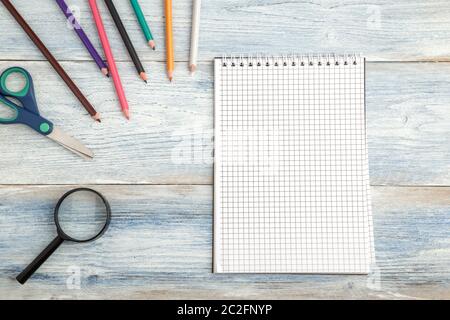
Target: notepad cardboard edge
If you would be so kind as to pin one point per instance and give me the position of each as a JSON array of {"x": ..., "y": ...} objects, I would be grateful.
[{"x": 217, "y": 267}]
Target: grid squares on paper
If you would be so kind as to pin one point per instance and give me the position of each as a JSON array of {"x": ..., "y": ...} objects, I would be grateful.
[{"x": 291, "y": 170}]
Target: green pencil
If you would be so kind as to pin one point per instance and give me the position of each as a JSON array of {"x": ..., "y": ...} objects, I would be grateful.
[{"x": 143, "y": 23}]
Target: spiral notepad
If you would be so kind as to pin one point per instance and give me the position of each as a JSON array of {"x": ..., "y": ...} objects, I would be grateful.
[{"x": 291, "y": 166}]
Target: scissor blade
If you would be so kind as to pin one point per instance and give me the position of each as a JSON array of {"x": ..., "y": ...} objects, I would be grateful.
[{"x": 70, "y": 143}]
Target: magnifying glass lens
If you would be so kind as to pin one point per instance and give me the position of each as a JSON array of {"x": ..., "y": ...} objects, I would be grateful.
[{"x": 82, "y": 215}]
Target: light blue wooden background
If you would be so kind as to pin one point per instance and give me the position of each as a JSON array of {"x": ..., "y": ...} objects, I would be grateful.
[{"x": 157, "y": 169}]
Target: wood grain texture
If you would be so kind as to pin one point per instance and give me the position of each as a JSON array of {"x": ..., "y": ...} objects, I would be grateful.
[
  {"x": 169, "y": 140},
  {"x": 400, "y": 30},
  {"x": 160, "y": 242}
]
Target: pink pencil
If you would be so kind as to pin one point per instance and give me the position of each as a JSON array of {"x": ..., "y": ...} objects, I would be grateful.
[{"x": 110, "y": 58}]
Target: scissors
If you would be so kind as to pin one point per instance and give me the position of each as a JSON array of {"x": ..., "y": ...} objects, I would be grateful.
[{"x": 28, "y": 114}]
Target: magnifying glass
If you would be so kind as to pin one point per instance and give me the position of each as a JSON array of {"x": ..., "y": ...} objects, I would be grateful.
[{"x": 81, "y": 215}]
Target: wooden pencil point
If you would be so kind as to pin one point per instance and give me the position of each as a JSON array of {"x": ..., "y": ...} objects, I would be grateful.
[
  {"x": 83, "y": 36},
  {"x": 96, "y": 117},
  {"x": 105, "y": 72},
  {"x": 143, "y": 22},
  {"x": 126, "y": 39},
  {"x": 193, "y": 68},
  {"x": 126, "y": 114},
  {"x": 143, "y": 76}
]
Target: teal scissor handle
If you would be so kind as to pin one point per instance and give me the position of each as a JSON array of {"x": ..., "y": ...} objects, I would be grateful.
[{"x": 28, "y": 113}]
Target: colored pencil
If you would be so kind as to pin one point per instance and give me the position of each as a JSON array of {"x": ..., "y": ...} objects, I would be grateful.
[
  {"x": 195, "y": 34},
  {"x": 110, "y": 58},
  {"x": 55, "y": 64},
  {"x": 169, "y": 39},
  {"x": 126, "y": 39},
  {"x": 144, "y": 25},
  {"x": 83, "y": 36}
]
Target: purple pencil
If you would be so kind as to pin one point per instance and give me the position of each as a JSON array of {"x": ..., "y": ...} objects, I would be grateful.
[{"x": 83, "y": 36}]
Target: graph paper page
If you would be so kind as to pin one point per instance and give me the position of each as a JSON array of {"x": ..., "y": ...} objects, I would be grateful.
[{"x": 291, "y": 166}]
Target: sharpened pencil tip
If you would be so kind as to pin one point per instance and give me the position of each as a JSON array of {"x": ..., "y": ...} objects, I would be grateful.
[
  {"x": 126, "y": 113},
  {"x": 143, "y": 76},
  {"x": 152, "y": 45},
  {"x": 105, "y": 72},
  {"x": 192, "y": 68},
  {"x": 96, "y": 117},
  {"x": 170, "y": 75}
]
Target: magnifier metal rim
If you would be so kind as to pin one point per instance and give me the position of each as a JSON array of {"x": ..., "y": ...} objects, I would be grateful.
[{"x": 60, "y": 230}]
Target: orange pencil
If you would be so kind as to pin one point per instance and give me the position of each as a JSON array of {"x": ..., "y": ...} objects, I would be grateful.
[{"x": 169, "y": 39}]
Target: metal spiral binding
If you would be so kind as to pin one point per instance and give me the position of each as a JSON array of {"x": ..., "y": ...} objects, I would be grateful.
[{"x": 291, "y": 60}]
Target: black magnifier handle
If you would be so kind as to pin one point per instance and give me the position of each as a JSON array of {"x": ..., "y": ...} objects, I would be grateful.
[{"x": 40, "y": 259}]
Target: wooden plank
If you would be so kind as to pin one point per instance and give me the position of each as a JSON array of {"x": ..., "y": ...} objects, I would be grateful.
[
  {"x": 160, "y": 245},
  {"x": 400, "y": 30},
  {"x": 154, "y": 146},
  {"x": 407, "y": 122},
  {"x": 169, "y": 140}
]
